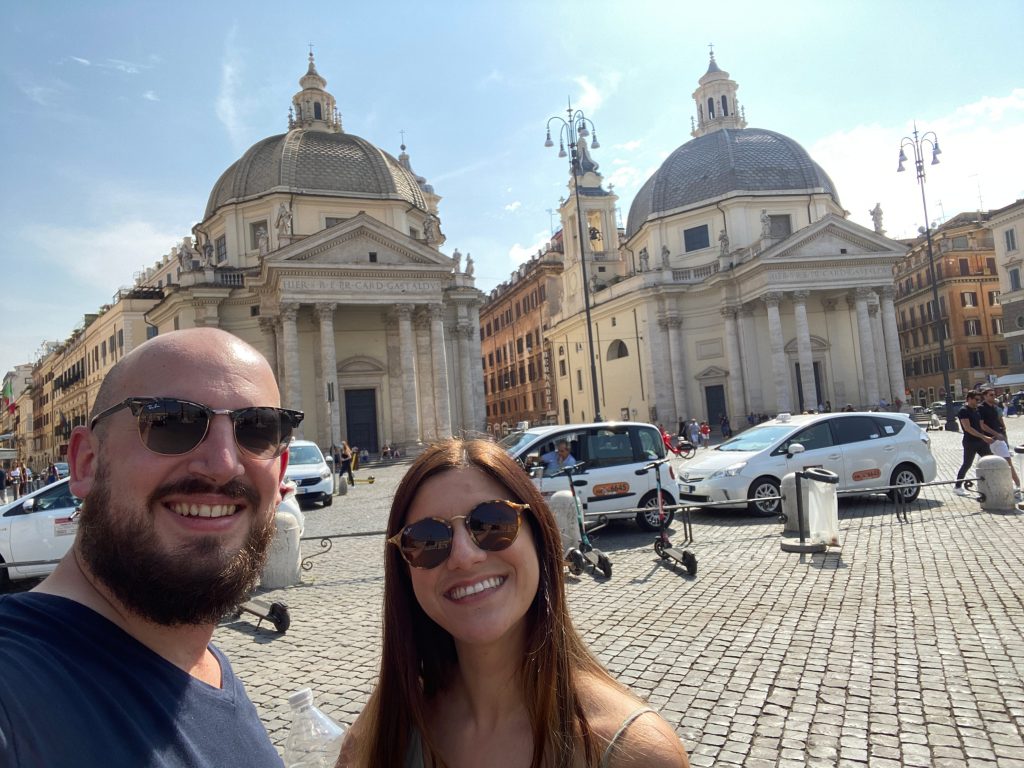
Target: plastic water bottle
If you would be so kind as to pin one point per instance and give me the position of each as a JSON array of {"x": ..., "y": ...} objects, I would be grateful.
[{"x": 314, "y": 740}]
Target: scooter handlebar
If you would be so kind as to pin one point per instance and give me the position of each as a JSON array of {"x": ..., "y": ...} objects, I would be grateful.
[
  {"x": 652, "y": 465},
  {"x": 570, "y": 470}
]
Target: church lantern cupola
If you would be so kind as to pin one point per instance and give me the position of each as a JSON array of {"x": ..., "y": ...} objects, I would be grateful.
[
  {"x": 716, "y": 102},
  {"x": 313, "y": 108}
]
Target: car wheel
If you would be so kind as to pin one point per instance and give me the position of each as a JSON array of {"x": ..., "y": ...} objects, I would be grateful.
[
  {"x": 762, "y": 488},
  {"x": 328, "y": 500},
  {"x": 648, "y": 518},
  {"x": 909, "y": 475}
]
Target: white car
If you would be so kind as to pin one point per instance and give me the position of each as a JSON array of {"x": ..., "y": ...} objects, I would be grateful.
[
  {"x": 611, "y": 453},
  {"x": 866, "y": 450},
  {"x": 313, "y": 478},
  {"x": 39, "y": 528}
]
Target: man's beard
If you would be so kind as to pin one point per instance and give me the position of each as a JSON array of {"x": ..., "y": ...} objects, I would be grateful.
[{"x": 193, "y": 584}]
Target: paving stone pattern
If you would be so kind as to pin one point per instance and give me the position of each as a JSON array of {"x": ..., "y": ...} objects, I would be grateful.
[{"x": 904, "y": 647}]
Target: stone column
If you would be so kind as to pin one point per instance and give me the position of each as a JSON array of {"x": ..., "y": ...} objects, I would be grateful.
[
  {"x": 678, "y": 363},
  {"x": 878, "y": 342},
  {"x": 464, "y": 332},
  {"x": 749, "y": 358},
  {"x": 407, "y": 349},
  {"x": 893, "y": 357},
  {"x": 290, "y": 343},
  {"x": 803, "y": 350},
  {"x": 268, "y": 330},
  {"x": 737, "y": 409},
  {"x": 329, "y": 364},
  {"x": 867, "y": 347},
  {"x": 439, "y": 365},
  {"x": 662, "y": 386},
  {"x": 780, "y": 371},
  {"x": 424, "y": 363}
]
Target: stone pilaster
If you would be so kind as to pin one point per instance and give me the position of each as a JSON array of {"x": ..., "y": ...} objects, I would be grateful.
[
  {"x": 439, "y": 360},
  {"x": 867, "y": 347},
  {"x": 678, "y": 364},
  {"x": 749, "y": 359},
  {"x": 803, "y": 350},
  {"x": 780, "y": 370},
  {"x": 424, "y": 380},
  {"x": 329, "y": 364},
  {"x": 732, "y": 355},
  {"x": 407, "y": 349},
  {"x": 893, "y": 357},
  {"x": 268, "y": 334},
  {"x": 878, "y": 341},
  {"x": 463, "y": 333},
  {"x": 290, "y": 344}
]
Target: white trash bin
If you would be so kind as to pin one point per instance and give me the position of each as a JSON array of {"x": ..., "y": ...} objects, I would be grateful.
[
  {"x": 283, "y": 567},
  {"x": 820, "y": 507}
]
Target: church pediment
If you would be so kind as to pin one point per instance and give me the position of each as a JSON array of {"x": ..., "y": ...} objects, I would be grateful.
[
  {"x": 712, "y": 372},
  {"x": 830, "y": 238},
  {"x": 360, "y": 241}
]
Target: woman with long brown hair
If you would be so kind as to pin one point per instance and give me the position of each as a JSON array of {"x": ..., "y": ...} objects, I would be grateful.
[{"x": 481, "y": 664}]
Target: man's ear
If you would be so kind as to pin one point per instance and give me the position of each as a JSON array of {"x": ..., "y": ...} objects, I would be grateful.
[{"x": 83, "y": 454}]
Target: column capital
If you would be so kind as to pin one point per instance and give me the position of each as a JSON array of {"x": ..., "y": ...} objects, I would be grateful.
[
  {"x": 772, "y": 298},
  {"x": 325, "y": 310},
  {"x": 729, "y": 312},
  {"x": 435, "y": 311},
  {"x": 864, "y": 292},
  {"x": 887, "y": 292},
  {"x": 674, "y": 321},
  {"x": 268, "y": 324},
  {"x": 289, "y": 312},
  {"x": 403, "y": 311},
  {"x": 801, "y": 296},
  {"x": 663, "y": 323}
]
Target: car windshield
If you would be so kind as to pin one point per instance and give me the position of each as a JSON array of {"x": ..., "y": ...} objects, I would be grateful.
[
  {"x": 304, "y": 454},
  {"x": 514, "y": 441},
  {"x": 756, "y": 439}
]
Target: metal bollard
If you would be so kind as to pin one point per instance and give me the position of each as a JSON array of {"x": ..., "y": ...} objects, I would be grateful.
[{"x": 995, "y": 483}]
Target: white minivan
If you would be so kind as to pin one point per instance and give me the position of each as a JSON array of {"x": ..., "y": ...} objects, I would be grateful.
[
  {"x": 611, "y": 452},
  {"x": 313, "y": 477}
]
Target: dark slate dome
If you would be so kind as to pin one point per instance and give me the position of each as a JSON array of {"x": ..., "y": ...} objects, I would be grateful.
[
  {"x": 315, "y": 163},
  {"x": 728, "y": 161}
]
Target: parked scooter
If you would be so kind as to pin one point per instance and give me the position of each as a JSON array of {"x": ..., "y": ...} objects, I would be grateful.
[
  {"x": 663, "y": 544},
  {"x": 584, "y": 555}
]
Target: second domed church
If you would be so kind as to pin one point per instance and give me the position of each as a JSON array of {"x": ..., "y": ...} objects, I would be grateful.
[{"x": 740, "y": 286}]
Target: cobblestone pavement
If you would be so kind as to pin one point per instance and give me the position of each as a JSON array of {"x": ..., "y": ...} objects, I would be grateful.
[{"x": 904, "y": 647}]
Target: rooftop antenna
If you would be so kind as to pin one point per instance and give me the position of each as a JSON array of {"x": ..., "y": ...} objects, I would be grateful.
[{"x": 551, "y": 219}]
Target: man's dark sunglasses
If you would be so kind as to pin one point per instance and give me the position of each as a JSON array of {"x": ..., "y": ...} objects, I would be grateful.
[
  {"x": 172, "y": 427},
  {"x": 493, "y": 525}
]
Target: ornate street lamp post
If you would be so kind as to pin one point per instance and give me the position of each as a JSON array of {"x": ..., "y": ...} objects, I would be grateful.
[
  {"x": 916, "y": 144},
  {"x": 570, "y": 128}
]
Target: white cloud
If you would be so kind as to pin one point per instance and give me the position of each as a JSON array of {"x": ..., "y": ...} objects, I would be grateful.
[
  {"x": 150, "y": 96},
  {"x": 83, "y": 62},
  {"x": 980, "y": 146},
  {"x": 593, "y": 95},
  {"x": 513, "y": 206},
  {"x": 128, "y": 67},
  {"x": 519, "y": 254},
  {"x": 629, "y": 146},
  {"x": 229, "y": 100},
  {"x": 122, "y": 247}
]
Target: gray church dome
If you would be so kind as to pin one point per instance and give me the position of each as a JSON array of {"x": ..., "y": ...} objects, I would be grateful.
[
  {"x": 725, "y": 162},
  {"x": 315, "y": 162}
]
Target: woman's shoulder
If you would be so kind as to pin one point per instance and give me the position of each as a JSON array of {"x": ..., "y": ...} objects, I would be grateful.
[{"x": 635, "y": 734}]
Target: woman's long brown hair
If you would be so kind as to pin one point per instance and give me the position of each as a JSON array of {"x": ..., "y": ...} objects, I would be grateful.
[{"x": 419, "y": 658}]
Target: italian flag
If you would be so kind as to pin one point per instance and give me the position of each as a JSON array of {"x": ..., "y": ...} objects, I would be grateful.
[{"x": 8, "y": 397}]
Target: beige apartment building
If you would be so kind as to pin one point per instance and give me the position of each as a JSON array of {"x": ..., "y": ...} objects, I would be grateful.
[
  {"x": 970, "y": 311},
  {"x": 515, "y": 358}
]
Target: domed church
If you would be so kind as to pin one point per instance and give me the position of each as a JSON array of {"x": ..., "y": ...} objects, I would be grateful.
[
  {"x": 739, "y": 286},
  {"x": 323, "y": 251}
]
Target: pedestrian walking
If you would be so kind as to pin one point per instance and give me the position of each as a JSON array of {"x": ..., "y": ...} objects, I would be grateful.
[
  {"x": 346, "y": 463},
  {"x": 975, "y": 441},
  {"x": 3, "y": 485},
  {"x": 705, "y": 434},
  {"x": 992, "y": 424}
]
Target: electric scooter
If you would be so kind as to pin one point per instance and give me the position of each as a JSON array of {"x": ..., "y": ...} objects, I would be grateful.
[
  {"x": 585, "y": 554},
  {"x": 662, "y": 544}
]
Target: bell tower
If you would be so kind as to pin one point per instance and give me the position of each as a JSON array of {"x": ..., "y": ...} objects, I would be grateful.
[
  {"x": 313, "y": 108},
  {"x": 716, "y": 102}
]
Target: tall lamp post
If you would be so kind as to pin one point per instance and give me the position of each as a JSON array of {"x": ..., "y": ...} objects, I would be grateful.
[
  {"x": 570, "y": 128},
  {"x": 916, "y": 143}
]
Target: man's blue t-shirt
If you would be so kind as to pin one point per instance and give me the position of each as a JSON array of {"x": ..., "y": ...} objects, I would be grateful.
[{"x": 76, "y": 690}]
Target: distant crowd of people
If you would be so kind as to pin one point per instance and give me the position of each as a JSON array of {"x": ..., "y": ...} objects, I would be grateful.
[{"x": 19, "y": 479}]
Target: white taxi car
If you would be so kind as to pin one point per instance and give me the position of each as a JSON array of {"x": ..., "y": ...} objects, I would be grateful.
[
  {"x": 611, "y": 452},
  {"x": 37, "y": 528},
  {"x": 866, "y": 450}
]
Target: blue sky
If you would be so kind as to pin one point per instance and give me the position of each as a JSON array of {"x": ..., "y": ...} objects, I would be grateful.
[{"x": 118, "y": 117}]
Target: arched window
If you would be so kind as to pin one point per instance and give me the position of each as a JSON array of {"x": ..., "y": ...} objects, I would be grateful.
[
  {"x": 711, "y": 108},
  {"x": 318, "y": 113},
  {"x": 617, "y": 349},
  {"x": 725, "y": 107}
]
